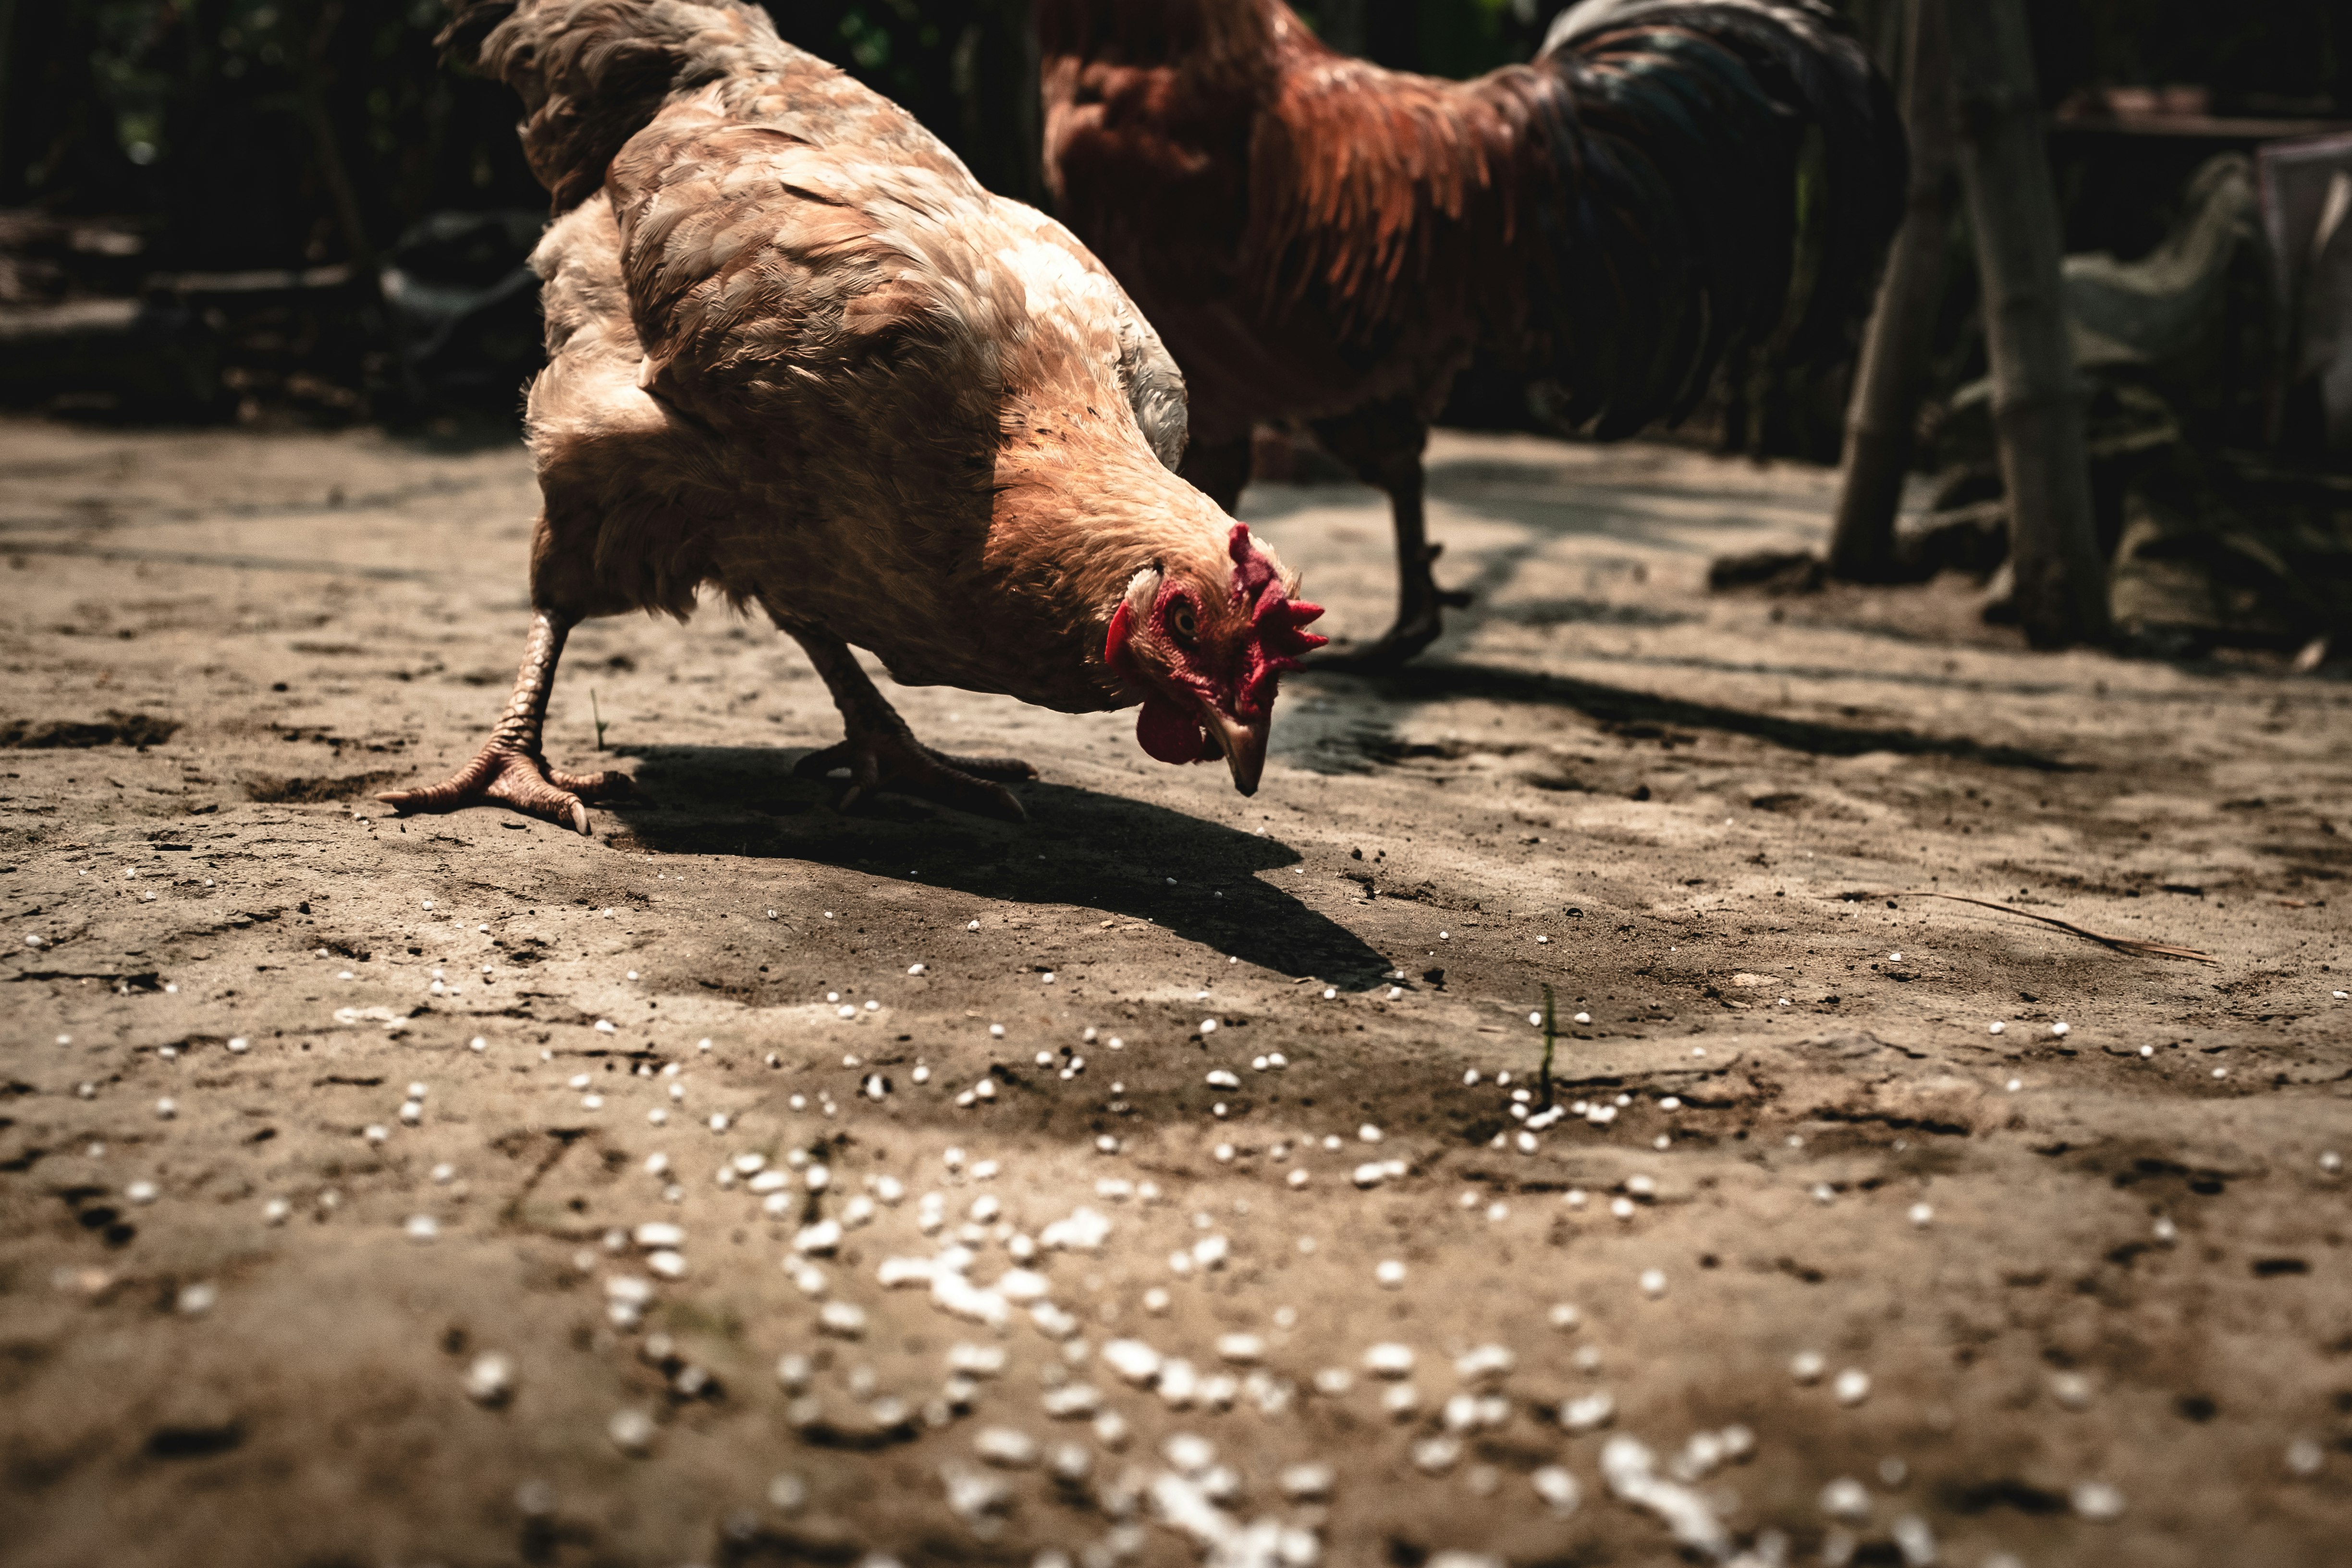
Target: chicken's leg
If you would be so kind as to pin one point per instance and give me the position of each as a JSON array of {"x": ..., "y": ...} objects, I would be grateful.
[
  {"x": 1384, "y": 443},
  {"x": 509, "y": 768},
  {"x": 880, "y": 752}
]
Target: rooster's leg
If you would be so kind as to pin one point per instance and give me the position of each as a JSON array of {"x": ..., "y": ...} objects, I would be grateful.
[
  {"x": 881, "y": 753},
  {"x": 509, "y": 769},
  {"x": 1384, "y": 443}
]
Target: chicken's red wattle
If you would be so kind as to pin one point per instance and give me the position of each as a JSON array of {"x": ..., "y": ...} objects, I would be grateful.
[{"x": 1165, "y": 731}]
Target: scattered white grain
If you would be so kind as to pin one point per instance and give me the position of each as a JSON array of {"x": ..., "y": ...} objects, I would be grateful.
[
  {"x": 1588, "y": 1413},
  {"x": 1389, "y": 1275},
  {"x": 1005, "y": 1448},
  {"x": 1133, "y": 1359},
  {"x": 1307, "y": 1483},
  {"x": 489, "y": 1378},
  {"x": 1558, "y": 1488},
  {"x": 2096, "y": 1500},
  {"x": 1484, "y": 1363},
  {"x": 1846, "y": 1499},
  {"x": 1853, "y": 1386},
  {"x": 632, "y": 1431}
]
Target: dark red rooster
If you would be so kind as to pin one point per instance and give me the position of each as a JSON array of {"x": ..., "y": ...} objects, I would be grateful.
[
  {"x": 1325, "y": 241},
  {"x": 798, "y": 358}
]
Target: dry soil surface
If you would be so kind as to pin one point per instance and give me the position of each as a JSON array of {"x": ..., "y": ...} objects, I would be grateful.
[{"x": 753, "y": 1183}]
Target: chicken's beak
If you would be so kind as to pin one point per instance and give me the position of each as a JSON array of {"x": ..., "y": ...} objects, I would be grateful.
[{"x": 1243, "y": 745}]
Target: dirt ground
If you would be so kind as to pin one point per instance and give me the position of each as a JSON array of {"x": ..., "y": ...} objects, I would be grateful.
[{"x": 1089, "y": 1277}]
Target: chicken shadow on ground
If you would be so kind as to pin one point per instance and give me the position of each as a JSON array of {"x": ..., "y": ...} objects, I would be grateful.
[
  {"x": 1081, "y": 847},
  {"x": 1616, "y": 706}
]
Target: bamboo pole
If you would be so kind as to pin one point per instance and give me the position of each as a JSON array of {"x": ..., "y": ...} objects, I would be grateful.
[
  {"x": 2037, "y": 399},
  {"x": 1882, "y": 419}
]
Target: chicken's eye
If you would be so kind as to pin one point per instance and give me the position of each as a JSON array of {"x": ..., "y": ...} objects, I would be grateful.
[{"x": 1181, "y": 618}]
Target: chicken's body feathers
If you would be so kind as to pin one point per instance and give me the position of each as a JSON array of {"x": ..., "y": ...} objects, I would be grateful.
[
  {"x": 1327, "y": 243},
  {"x": 800, "y": 358},
  {"x": 1315, "y": 234},
  {"x": 799, "y": 354}
]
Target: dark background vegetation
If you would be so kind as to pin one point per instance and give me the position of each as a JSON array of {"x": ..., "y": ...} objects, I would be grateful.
[
  {"x": 141, "y": 138},
  {"x": 219, "y": 122}
]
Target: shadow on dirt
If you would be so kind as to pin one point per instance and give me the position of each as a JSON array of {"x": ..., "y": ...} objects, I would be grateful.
[
  {"x": 1619, "y": 705},
  {"x": 1082, "y": 848}
]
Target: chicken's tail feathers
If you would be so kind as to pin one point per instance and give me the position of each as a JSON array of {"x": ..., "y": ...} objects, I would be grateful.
[
  {"x": 592, "y": 73},
  {"x": 1731, "y": 173}
]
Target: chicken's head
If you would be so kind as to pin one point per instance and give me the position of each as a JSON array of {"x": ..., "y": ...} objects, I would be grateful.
[{"x": 1207, "y": 645}]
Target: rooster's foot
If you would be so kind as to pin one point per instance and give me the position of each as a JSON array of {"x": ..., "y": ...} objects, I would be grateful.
[
  {"x": 897, "y": 762},
  {"x": 1396, "y": 647},
  {"x": 505, "y": 774}
]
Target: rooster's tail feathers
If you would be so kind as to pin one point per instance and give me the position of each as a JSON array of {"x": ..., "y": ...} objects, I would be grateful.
[
  {"x": 1731, "y": 173},
  {"x": 592, "y": 73}
]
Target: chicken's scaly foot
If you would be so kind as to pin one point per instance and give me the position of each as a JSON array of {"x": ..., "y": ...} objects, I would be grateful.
[
  {"x": 1396, "y": 647},
  {"x": 1417, "y": 623},
  {"x": 504, "y": 775},
  {"x": 880, "y": 752},
  {"x": 509, "y": 770},
  {"x": 904, "y": 765}
]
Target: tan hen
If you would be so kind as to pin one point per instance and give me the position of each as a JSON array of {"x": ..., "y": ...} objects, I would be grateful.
[{"x": 800, "y": 357}]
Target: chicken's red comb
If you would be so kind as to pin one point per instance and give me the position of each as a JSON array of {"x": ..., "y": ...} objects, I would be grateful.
[{"x": 1279, "y": 620}]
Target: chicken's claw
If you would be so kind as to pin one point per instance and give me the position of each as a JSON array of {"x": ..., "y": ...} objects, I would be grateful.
[
  {"x": 1396, "y": 647},
  {"x": 1418, "y": 622},
  {"x": 904, "y": 765},
  {"x": 508, "y": 776}
]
